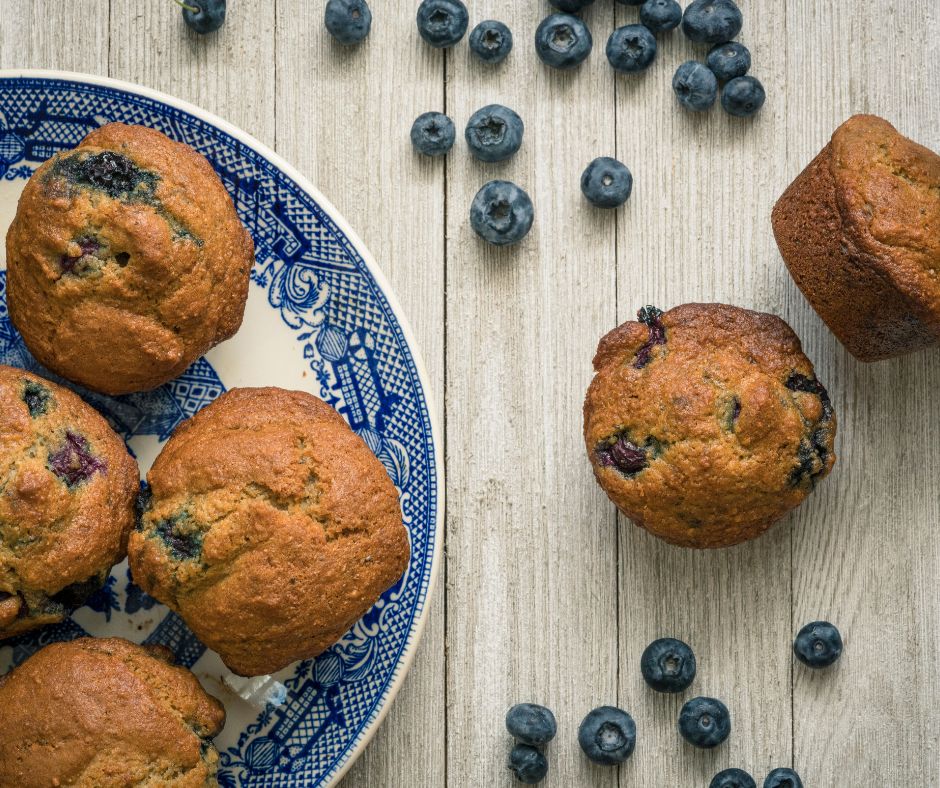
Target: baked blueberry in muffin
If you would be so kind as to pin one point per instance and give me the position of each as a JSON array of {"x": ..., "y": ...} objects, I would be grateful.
[
  {"x": 269, "y": 527},
  {"x": 66, "y": 501},
  {"x": 126, "y": 261},
  {"x": 106, "y": 712},
  {"x": 706, "y": 423}
]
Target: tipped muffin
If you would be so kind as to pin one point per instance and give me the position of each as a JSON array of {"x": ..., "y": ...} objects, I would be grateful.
[
  {"x": 269, "y": 527},
  {"x": 706, "y": 423},
  {"x": 94, "y": 713},
  {"x": 126, "y": 261},
  {"x": 66, "y": 501},
  {"x": 859, "y": 230}
]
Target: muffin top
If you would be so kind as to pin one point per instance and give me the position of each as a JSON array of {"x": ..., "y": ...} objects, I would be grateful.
[
  {"x": 126, "y": 260},
  {"x": 105, "y": 712},
  {"x": 706, "y": 423},
  {"x": 66, "y": 501},
  {"x": 270, "y": 528}
]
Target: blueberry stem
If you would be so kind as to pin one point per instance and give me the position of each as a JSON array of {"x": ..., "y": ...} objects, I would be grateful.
[{"x": 195, "y": 9}]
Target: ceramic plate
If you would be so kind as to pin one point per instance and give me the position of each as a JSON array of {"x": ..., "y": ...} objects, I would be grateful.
[{"x": 320, "y": 317}]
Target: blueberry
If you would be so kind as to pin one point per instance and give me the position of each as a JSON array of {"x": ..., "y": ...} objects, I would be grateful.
[
  {"x": 348, "y": 21},
  {"x": 818, "y": 645},
  {"x": 433, "y": 134},
  {"x": 36, "y": 398},
  {"x": 110, "y": 172},
  {"x": 180, "y": 535},
  {"x": 501, "y": 213},
  {"x": 607, "y": 735},
  {"x": 442, "y": 23},
  {"x": 743, "y": 96},
  {"x": 631, "y": 48},
  {"x": 563, "y": 41},
  {"x": 527, "y": 764},
  {"x": 531, "y": 724},
  {"x": 651, "y": 317},
  {"x": 712, "y": 21},
  {"x": 729, "y": 60},
  {"x": 203, "y": 16},
  {"x": 668, "y": 665},
  {"x": 606, "y": 183},
  {"x": 783, "y": 778},
  {"x": 631, "y": 2},
  {"x": 73, "y": 461},
  {"x": 732, "y": 778},
  {"x": 571, "y": 6},
  {"x": 704, "y": 722},
  {"x": 622, "y": 454},
  {"x": 661, "y": 15},
  {"x": 491, "y": 41},
  {"x": 494, "y": 133},
  {"x": 695, "y": 86}
]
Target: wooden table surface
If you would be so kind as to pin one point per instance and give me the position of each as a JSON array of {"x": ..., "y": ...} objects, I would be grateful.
[{"x": 546, "y": 594}]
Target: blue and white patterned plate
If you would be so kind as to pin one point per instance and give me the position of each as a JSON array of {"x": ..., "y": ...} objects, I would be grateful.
[{"x": 321, "y": 318}]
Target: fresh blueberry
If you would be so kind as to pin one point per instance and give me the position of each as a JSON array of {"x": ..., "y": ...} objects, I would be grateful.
[
  {"x": 494, "y": 133},
  {"x": 631, "y": 2},
  {"x": 743, "y": 96},
  {"x": 631, "y": 48},
  {"x": 501, "y": 213},
  {"x": 571, "y": 6},
  {"x": 668, "y": 665},
  {"x": 732, "y": 778},
  {"x": 348, "y": 21},
  {"x": 818, "y": 645},
  {"x": 203, "y": 16},
  {"x": 606, "y": 183},
  {"x": 491, "y": 41},
  {"x": 695, "y": 85},
  {"x": 563, "y": 41},
  {"x": 607, "y": 735},
  {"x": 783, "y": 778},
  {"x": 531, "y": 724},
  {"x": 433, "y": 134},
  {"x": 661, "y": 15},
  {"x": 527, "y": 764},
  {"x": 442, "y": 23},
  {"x": 704, "y": 722},
  {"x": 729, "y": 60},
  {"x": 712, "y": 21}
]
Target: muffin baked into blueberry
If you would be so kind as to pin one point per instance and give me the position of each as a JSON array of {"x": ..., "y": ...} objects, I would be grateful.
[
  {"x": 706, "y": 423},
  {"x": 126, "y": 261},
  {"x": 269, "y": 527},
  {"x": 66, "y": 501},
  {"x": 106, "y": 712},
  {"x": 859, "y": 230}
]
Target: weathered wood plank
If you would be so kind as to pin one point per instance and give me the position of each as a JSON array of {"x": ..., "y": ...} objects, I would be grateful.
[{"x": 71, "y": 36}]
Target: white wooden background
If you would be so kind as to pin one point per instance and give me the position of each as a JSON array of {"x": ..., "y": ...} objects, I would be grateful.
[{"x": 546, "y": 595}]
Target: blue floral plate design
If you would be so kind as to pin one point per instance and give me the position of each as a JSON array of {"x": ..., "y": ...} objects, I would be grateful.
[{"x": 320, "y": 317}]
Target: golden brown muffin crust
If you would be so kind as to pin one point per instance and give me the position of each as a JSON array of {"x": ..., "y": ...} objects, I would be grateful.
[
  {"x": 271, "y": 528},
  {"x": 102, "y": 713},
  {"x": 126, "y": 260}
]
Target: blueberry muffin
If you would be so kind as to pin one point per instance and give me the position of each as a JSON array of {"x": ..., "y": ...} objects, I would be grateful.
[
  {"x": 269, "y": 527},
  {"x": 101, "y": 713},
  {"x": 859, "y": 230},
  {"x": 126, "y": 261},
  {"x": 66, "y": 501},
  {"x": 706, "y": 423}
]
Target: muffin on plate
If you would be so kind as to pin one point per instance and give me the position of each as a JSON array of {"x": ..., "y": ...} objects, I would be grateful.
[
  {"x": 859, "y": 230},
  {"x": 95, "y": 713},
  {"x": 66, "y": 501},
  {"x": 269, "y": 527},
  {"x": 126, "y": 261},
  {"x": 706, "y": 423}
]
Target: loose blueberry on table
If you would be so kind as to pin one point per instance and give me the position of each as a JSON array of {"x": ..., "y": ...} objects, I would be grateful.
[
  {"x": 729, "y": 60},
  {"x": 563, "y": 41},
  {"x": 783, "y": 778},
  {"x": 442, "y": 23},
  {"x": 695, "y": 86},
  {"x": 631, "y": 2},
  {"x": 732, "y": 778},
  {"x": 661, "y": 15},
  {"x": 527, "y": 764},
  {"x": 818, "y": 645},
  {"x": 433, "y": 134},
  {"x": 531, "y": 724},
  {"x": 203, "y": 16},
  {"x": 348, "y": 21},
  {"x": 704, "y": 722},
  {"x": 607, "y": 183},
  {"x": 494, "y": 133},
  {"x": 607, "y": 735},
  {"x": 491, "y": 41},
  {"x": 571, "y": 6},
  {"x": 743, "y": 96},
  {"x": 668, "y": 665},
  {"x": 631, "y": 48},
  {"x": 712, "y": 21},
  {"x": 501, "y": 213}
]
